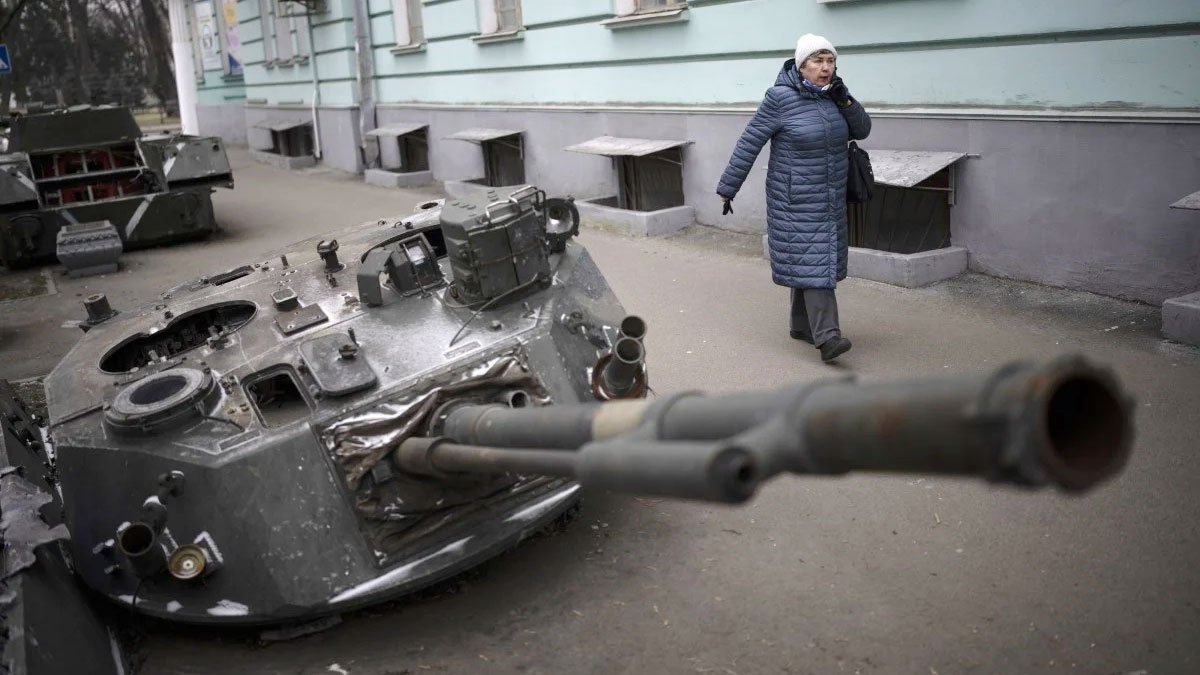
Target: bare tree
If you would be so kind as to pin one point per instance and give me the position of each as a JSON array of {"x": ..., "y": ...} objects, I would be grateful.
[
  {"x": 77, "y": 17},
  {"x": 161, "y": 77},
  {"x": 6, "y": 81},
  {"x": 10, "y": 14}
]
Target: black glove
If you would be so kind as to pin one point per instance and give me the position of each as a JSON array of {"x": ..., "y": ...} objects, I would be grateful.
[
  {"x": 838, "y": 91},
  {"x": 728, "y": 209}
]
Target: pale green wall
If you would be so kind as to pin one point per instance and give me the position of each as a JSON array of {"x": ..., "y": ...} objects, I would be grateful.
[
  {"x": 332, "y": 52},
  {"x": 1052, "y": 53},
  {"x": 1064, "y": 53}
]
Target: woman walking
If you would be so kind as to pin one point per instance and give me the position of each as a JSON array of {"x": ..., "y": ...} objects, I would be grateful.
[{"x": 809, "y": 117}]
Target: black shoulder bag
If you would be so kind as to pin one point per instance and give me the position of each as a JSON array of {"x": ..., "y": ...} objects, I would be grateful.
[{"x": 860, "y": 179}]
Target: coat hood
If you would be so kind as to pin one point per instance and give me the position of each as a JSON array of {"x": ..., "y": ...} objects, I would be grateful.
[{"x": 788, "y": 75}]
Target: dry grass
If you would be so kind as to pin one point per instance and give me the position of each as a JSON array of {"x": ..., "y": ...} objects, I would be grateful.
[{"x": 152, "y": 117}]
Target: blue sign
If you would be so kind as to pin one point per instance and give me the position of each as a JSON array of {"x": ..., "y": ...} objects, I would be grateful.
[{"x": 5, "y": 64}]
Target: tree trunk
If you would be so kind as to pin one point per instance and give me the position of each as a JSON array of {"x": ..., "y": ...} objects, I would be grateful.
[
  {"x": 77, "y": 11},
  {"x": 158, "y": 47},
  {"x": 11, "y": 28}
]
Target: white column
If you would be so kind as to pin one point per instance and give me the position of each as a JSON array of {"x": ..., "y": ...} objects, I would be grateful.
[{"x": 185, "y": 69}]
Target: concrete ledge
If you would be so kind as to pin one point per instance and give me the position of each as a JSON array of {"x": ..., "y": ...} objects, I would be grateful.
[
  {"x": 465, "y": 189},
  {"x": 1181, "y": 319},
  {"x": 910, "y": 270},
  {"x": 392, "y": 179},
  {"x": 641, "y": 223},
  {"x": 283, "y": 161}
]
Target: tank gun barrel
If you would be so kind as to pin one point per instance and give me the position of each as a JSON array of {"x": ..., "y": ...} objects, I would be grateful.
[{"x": 1066, "y": 422}]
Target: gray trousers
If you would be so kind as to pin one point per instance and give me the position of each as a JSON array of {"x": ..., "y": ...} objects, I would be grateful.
[{"x": 815, "y": 314}]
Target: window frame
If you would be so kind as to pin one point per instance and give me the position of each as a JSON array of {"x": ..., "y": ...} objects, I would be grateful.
[
  {"x": 413, "y": 26},
  {"x": 266, "y": 22},
  {"x": 490, "y": 26},
  {"x": 518, "y": 19},
  {"x": 630, "y": 13},
  {"x": 223, "y": 29},
  {"x": 667, "y": 6}
]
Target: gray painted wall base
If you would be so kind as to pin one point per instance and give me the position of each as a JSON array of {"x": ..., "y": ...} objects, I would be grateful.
[
  {"x": 641, "y": 223},
  {"x": 282, "y": 161},
  {"x": 464, "y": 189},
  {"x": 392, "y": 179},
  {"x": 911, "y": 270},
  {"x": 1181, "y": 319},
  {"x": 1021, "y": 209},
  {"x": 337, "y": 132},
  {"x": 227, "y": 120}
]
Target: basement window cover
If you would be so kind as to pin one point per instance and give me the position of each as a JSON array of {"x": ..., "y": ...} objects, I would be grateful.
[
  {"x": 649, "y": 172},
  {"x": 907, "y": 168},
  {"x": 396, "y": 130},
  {"x": 1191, "y": 202},
  {"x": 479, "y": 135},
  {"x": 404, "y": 147},
  {"x": 289, "y": 138},
  {"x": 612, "y": 146},
  {"x": 503, "y": 154},
  {"x": 910, "y": 212},
  {"x": 280, "y": 125}
]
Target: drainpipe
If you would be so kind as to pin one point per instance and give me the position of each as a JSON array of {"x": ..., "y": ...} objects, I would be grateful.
[
  {"x": 366, "y": 83},
  {"x": 316, "y": 98},
  {"x": 185, "y": 68}
]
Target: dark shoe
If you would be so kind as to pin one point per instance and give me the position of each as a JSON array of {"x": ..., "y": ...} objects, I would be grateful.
[
  {"x": 803, "y": 337},
  {"x": 833, "y": 348}
]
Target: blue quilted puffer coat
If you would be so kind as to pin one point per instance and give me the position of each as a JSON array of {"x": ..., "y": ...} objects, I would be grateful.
[{"x": 806, "y": 178}]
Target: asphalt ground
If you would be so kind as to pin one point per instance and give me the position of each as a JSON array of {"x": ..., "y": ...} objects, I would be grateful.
[{"x": 857, "y": 574}]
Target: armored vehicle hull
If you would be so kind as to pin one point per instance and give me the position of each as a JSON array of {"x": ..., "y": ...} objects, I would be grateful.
[
  {"x": 353, "y": 418},
  {"x": 236, "y": 383},
  {"x": 90, "y": 165}
]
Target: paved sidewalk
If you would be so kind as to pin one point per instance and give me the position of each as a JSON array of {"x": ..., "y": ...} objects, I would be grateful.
[{"x": 858, "y": 574}]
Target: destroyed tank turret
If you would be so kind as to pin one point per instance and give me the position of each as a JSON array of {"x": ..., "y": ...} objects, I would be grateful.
[
  {"x": 353, "y": 418},
  {"x": 91, "y": 173}
]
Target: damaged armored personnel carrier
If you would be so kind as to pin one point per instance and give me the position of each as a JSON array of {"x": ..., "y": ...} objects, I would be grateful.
[
  {"x": 87, "y": 169},
  {"x": 353, "y": 418}
]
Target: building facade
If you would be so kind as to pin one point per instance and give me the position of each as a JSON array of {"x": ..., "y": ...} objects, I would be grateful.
[
  {"x": 1047, "y": 139},
  {"x": 215, "y": 34}
]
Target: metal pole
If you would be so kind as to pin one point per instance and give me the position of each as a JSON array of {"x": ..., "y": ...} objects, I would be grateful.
[
  {"x": 316, "y": 83},
  {"x": 365, "y": 76}
]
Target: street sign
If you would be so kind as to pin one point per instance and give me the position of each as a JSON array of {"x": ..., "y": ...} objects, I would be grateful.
[{"x": 5, "y": 64}]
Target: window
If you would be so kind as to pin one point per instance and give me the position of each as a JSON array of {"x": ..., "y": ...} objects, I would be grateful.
[
  {"x": 410, "y": 27},
  {"x": 644, "y": 6},
  {"x": 280, "y": 19},
  {"x": 203, "y": 33},
  {"x": 646, "y": 12},
  {"x": 508, "y": 15},
  {"x": 499, "y": 20},
  {"x": 628, "y": 7},
  {"x": 264, "y": 15},
  {"x": 231, "y": 44}
]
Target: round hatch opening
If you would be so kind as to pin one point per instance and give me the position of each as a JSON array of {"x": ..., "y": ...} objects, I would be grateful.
[
  {"x": 157, "y": 390},
  {"x": 160, "y": 400}
]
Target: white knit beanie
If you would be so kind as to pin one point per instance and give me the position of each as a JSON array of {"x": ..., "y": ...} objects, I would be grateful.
[{"x": 808, "y": 44}]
